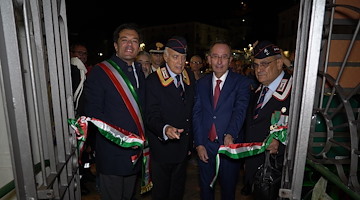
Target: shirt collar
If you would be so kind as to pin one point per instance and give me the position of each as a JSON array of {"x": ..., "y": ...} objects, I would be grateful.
[
  {"x": 222, "y": 78},
  {"x": 273, "y": 85},
  {"x": 172, "y": 74}
]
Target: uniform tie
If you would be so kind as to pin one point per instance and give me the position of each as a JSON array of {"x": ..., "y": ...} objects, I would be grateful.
[
  {"x": 262, "y": 97},
  {"x": 212, "y": 133},
  {"x": 179, "y": 87}
]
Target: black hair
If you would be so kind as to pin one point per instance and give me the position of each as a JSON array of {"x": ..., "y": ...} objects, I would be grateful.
[
  {"x": 220, "y": 41},
  {"x": 130, "y": 26}
]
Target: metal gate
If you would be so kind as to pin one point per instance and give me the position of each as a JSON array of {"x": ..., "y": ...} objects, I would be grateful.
[
  {"x": 324, "y": 124},
  {"x": 38, "y": 156},
  {"x": 35, "y": 89}
]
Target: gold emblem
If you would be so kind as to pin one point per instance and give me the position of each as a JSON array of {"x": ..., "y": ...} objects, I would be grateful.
[{"x": 159, "y": 45}]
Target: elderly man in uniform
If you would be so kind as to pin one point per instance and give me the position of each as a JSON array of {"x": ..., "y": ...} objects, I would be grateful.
[
  {"x": 169, "y": 101},
  {"x": 272, "y": 95}
]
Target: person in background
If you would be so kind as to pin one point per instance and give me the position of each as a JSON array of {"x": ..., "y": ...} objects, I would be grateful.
[
  {"x": 288, "y": 64},
  {"x": 117, "y": 173},
  {"x": 144, "y": 58},
  {"x": 237, "y": 68},
  {"x": 78, "y": 59},
  {"x": 80, "y": 51},
  {"x": 196, "y": 64},
  {"x": 275, "y": 87},
  {"x": 157, "y": 55},
  {"x": 169, "y": 103},
  {"x": 220, "y": 107}
]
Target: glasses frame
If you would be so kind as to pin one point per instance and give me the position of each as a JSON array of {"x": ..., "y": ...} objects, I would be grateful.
[
  {"x": 222, "y": 57},
  {"x": 263, "y": 64},
  {"x": 196, "y": 62}
]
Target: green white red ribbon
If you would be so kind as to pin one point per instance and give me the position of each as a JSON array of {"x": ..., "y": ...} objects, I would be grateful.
[
  {"x": 278, "y": 131},
  {"x": 115, "y": 134},
  {"x": 146, "y": 183},
  {"x": 119, "y": 136}
]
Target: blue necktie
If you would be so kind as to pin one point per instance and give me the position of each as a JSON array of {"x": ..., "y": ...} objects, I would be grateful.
[{"x": 262, "y": 97}]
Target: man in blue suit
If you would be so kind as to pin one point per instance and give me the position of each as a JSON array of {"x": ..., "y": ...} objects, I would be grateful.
[
  {"x": 218, "y": 122},
  {"x": 114, "y": 93}
]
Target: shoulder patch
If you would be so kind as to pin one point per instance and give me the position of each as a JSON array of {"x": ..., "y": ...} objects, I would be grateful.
[
  {"x": 283, "y": 90},
  {"x": 186, "y": 78},
  {"x": 164, "y": 77}
]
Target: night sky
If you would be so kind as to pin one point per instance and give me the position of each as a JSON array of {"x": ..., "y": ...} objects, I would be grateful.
[{"x": 92, "y": 21}]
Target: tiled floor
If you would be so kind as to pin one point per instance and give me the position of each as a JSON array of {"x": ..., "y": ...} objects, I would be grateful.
[{"x": 192, "y": 190}]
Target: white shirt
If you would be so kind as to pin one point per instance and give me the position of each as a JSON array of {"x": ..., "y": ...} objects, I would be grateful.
[
  {"x": 222, "y": 78},
  {"x": 272, "y": 88}
]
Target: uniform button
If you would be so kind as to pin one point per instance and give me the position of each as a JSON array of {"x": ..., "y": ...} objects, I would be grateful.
[
  {"x": 214, "y": 117},
  {"x": 187, "y": 120},
  {"x": 187, "y": 133}
]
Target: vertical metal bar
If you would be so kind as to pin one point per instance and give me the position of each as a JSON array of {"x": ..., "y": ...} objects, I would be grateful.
[
  {"x": 34, "y": 91},
  {"x": 302, "y": 35},
  {"x": 311, "y": 69},
  {"x": 44, "y": 107},
  {"x": 16, "y": 102},
  {"x": 322, "y": 92}
]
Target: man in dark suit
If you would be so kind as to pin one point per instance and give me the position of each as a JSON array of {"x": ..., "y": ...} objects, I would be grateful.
[
  {"x": 219, "y": 123},
  {"x": 107, "y": 102},
  {"x": 169, "y": 102},
  {"x": 275, "y": 88}
]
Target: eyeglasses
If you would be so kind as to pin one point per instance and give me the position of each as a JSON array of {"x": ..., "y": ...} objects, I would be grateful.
[
  {"x": 223, "y": 57},
  {"x": 196, "y": 62},
  {"x": 263, "y": 64}
]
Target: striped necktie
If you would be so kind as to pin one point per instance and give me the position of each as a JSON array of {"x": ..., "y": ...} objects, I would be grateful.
[{"x": 260, "y": 103}]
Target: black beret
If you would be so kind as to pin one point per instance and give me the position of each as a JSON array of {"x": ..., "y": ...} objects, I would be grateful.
[
  {"x": 157, "y": 47},
  {"x": 265, "y": 49},
  {"x": 177, "y": 43}
]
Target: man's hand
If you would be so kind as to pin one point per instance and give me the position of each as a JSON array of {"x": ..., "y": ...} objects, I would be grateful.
[
  {"x": 273, "y": 147},
  {"x": 202, "y": 153},
  {"x": 228, "y": 139},
  {"x": 173, "y": 133}
]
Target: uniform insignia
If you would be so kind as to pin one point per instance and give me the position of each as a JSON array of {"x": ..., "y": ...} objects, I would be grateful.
[
  {"x": 159, "y": 46},
  {"x": 165, "y": 78},
  {"x": 164, "y": 73},
  {"x": 282, "y": 85},
  {"x": 283, "y": 90},
  {"x": 185, "y": 76}
]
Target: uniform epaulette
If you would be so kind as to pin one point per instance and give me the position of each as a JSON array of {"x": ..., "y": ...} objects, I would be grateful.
[
  {"x": 166, "y": 79},
  {"x": 283, "y": 90}
]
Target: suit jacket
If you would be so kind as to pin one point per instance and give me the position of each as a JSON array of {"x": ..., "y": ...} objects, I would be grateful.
[
  {"x": 104, "y": 102},
  {"x": 256, "y": 130},
  {"x": 230, "y": 111},
  {"x": 164, "y": 105}
]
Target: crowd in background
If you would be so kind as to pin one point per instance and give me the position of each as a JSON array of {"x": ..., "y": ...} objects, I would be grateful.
[{"x": 162, "y": 95}]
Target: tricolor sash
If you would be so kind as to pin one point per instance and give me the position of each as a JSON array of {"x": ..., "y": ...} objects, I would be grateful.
[
  {"x": 126, "y": 91},
  {"x": 278, "y": 131},
  {"x": 118, "y": 135}
]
